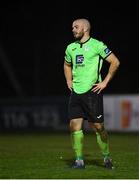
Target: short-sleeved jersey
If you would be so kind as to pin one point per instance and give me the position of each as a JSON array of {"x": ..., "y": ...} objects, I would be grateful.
[{"x": 86, "y": 60}]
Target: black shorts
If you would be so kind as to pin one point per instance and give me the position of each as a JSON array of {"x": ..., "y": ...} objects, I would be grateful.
[{"x": 87, "y": 106}]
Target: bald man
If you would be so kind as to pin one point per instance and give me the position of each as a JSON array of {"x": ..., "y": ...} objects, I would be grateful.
[{"x": 82, "y": 66}]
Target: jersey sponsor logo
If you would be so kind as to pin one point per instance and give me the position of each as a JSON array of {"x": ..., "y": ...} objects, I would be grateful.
[
  {"x": 79, "y": 59},
  {"x": 107, "y": 50}
]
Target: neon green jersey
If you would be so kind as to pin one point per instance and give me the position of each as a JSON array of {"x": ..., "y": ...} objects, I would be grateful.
[{"x": 86, "y": 60}]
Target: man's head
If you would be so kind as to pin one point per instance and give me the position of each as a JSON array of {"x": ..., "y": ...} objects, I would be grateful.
[{"x": 81, "y": 28}]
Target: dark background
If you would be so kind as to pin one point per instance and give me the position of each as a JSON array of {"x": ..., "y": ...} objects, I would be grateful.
[{"x": 34, "y": 35}]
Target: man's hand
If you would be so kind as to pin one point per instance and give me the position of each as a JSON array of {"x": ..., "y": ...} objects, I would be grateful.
[
  {"x": 69, "y": 84},
  {"x": 99, "y": 87}
]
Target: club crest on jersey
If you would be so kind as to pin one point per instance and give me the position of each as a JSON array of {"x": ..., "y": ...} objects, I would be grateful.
[
  {"x": 107, "y": 50},
  {"x": 79, "y": 59},
  {"x": 86, "y": 48}
]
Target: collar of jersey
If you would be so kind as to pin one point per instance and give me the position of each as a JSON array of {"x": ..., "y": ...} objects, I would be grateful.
[{"x": 84, "y": 42}]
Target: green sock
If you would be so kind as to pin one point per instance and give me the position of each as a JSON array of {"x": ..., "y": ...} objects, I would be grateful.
[
  {"x": 77, "y": 143},
  {"x": 104, "y": 146}
]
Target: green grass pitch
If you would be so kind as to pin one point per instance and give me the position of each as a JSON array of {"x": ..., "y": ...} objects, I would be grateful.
[{"x": 48, "y": 156}]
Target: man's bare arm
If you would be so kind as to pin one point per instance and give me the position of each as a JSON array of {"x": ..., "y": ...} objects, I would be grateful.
[
  {"x": 114, "y": 64},
  {"x": 68, "y": 74}
]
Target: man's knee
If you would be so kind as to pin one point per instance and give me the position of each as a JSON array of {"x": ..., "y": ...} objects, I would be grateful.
[
  {"x": 76, "y": 124},
  {"x": 101, "y": 130},
  {"x": 99, "y": 127}
]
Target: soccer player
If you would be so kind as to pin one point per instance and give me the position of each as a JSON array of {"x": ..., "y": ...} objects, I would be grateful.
[{"x": 82, "y": 66}]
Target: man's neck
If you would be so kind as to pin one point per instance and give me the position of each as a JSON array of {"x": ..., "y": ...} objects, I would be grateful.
[{"x": 84, "y": 39}]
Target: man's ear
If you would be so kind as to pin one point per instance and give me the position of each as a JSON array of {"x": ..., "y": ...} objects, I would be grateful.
[{"x": 85, "y": 29}]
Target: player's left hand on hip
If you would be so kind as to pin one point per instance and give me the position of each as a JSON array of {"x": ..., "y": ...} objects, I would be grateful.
[{"x": 99, "y": 87}]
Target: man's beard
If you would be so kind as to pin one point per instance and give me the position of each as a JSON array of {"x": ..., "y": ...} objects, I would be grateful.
[{"x": 79, "y": 37}]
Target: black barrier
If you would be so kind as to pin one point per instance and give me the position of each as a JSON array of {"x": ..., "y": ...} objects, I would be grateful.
[{"x": 33, "y": 114}]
